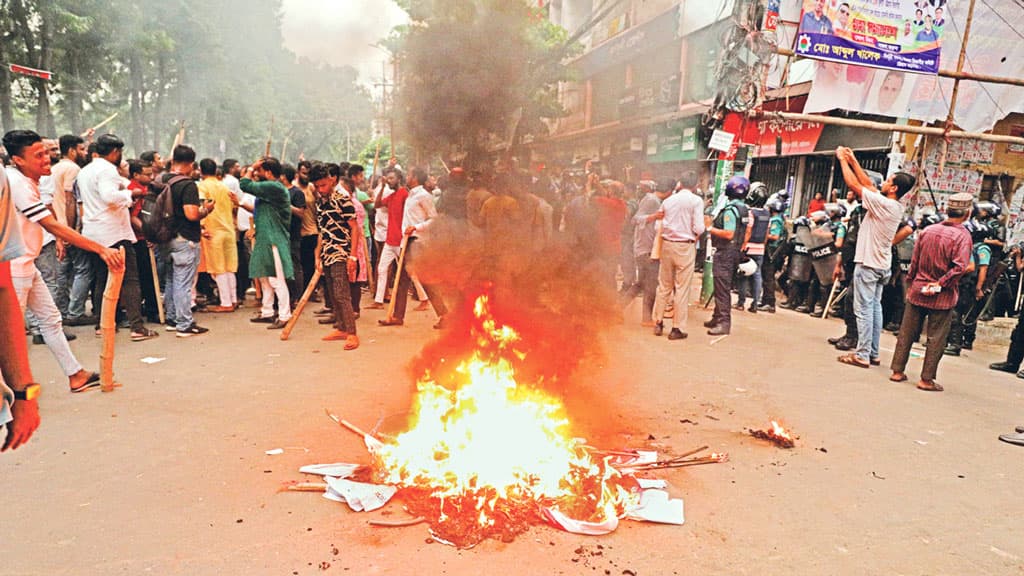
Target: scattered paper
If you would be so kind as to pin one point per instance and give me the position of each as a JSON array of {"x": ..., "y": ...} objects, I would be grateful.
[
  {"x": 372, "y": 444},
  {"x": 275, "y": 451},
  {"x": 649, "y": 483},
  {"x": 921, "y": 442},
  {"x": 338, "y": 470},
  {"x": 152, "y": 360},
  {"x": 360, "y": 496},
  {"x": 562, "y": 521},
  {"x": 657, "y": 506}
]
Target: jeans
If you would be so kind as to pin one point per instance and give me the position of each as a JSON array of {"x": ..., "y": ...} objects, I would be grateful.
[
  {"x": 35, "y": 296},
  {"x": 756, "y": 280},
  {"x": 130, "y": 297},
  {"x": 184, "y": 259},
  {"x": 868, "y": 284},
  {"x": 82, "y": 282}
]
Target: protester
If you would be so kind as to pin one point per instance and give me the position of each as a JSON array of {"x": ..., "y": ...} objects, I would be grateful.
[
  {"x": 873, "y": 258},
  {"x": 297, "y": 197},
  {"x": 141, "y": 176},
  {"x": 682, "y": 223},
  {"x": 941, "y": 256},
  {"x": 335, "y": 259},
  {"x": 232, "y": 170},
  {"x": 218, "y": 242},
  {"x": 65, "y": 210},
  {"x": 271, "y": 260},
  {"x": 182, "y": 251},
  {"x": 389, "y": 203},
  {"x": 30, "y": 163}
]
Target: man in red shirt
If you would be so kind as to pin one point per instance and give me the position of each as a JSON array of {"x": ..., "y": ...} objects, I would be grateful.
[
  {"x": 942, "y": 254},
  {"x": 141, "y": 174},
  {"x": 394, "y": 203}
]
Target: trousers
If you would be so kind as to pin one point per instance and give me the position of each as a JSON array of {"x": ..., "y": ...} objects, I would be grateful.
[
  {"x": 34, "y": 295},
  {"x": 130, "y": 297},
  {"x": 910, "y": 332},
  {"x": 675, "y": 274},
  {"x": 726, "y": 259}
]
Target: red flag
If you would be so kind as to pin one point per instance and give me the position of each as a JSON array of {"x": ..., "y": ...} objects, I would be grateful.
[{"x": 44, "y": 74}]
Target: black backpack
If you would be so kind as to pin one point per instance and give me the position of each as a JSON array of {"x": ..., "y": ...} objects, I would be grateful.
[{"x": 158, "y": 212}]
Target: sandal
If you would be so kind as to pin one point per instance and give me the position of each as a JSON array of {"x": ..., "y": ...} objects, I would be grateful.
[
  {"x": 898, "y": 377},
  {"x": 144, "y": 334},
  {"x": 853, "y": 360},
  {"x": 92, "y": 382},
  {"x": 929, "y": 386},
  {"x": 335, "y": 336},
  {"x": 352, "y": 342}
]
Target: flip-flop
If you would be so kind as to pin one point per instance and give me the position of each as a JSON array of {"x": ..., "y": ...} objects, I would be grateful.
[
  {"x": 929, "y": 386},
  {"x": 853, "y": 360},
  {"x": 92, "y": 382},
  {"x": 900, "y": 378},
  {"x": 352, "y": 343}
]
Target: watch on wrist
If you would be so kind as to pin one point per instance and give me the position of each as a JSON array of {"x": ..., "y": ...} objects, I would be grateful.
[{"x": 31, "y": 392}]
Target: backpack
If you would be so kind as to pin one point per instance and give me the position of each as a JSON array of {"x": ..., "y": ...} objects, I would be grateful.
[{"x": 157, "y": 212}]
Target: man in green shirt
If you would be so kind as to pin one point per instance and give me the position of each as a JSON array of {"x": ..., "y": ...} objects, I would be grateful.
[{"x": 271, "y": 260}]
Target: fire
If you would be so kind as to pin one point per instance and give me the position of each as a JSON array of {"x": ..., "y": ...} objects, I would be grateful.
[
  {"x": 777, "y": 435},
  {"x": 485, "y": 453}
]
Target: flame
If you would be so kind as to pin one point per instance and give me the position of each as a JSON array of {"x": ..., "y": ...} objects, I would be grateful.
[
  {"x": 485, "y": 452},
  {"x": 780, "y": 431}
]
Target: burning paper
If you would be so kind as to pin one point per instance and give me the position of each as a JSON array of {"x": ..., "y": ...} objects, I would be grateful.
[{"x": 776, "y": 435}]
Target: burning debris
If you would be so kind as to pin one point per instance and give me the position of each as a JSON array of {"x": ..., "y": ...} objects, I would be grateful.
[
  {"x": 777, "y": 435},
  {"x": 487, "y": 454}
]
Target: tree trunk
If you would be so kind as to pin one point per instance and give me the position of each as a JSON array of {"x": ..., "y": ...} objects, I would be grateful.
[
  {"x": 73, "y": 96},
  {"x": 44, "y": 112},
  {"x": 135, "y": 100},
  {"x": 6, "y": 109}
]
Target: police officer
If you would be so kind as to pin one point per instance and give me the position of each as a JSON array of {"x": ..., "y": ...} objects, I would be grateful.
[
  {"x": 835, "y": 212},
  {"x": 774, "y": 256},
  {"x": 844, "y": 274},
  {"x": 965, "y": 315},
  {"x": 729, "y": 233},
  {"x": 1001, "y": 302},
  {"x": 1015, "y": 354},
  {"x": 798, "y": 271}
]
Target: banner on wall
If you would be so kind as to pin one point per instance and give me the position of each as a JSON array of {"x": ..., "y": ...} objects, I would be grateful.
[{"x": 901, "y": 35}]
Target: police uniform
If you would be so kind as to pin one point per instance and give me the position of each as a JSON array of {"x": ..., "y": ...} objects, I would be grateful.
[
  {"x": 1002, "y": 300},
  {"x": 773, "y": 259},
  {"x": 734, "y": 217},
  {"x": 965, "y": 316}
]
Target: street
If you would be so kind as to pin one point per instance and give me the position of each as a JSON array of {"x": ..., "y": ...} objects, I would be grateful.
[{"x": 169, "y": 475}]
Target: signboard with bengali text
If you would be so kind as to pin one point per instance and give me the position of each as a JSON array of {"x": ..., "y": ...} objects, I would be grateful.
[{"x": 901, "y": 35}]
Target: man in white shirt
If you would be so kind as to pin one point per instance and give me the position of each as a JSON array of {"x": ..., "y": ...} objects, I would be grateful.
[
  {"x": 682, "y": 223},
  {"x": 106, "y": 219},
  {"x": 31, "y": 162},
  {"x": 417, "y": 217},
  {"x": 232, "y": 170}
]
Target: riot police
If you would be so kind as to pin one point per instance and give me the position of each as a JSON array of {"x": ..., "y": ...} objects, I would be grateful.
[
  {"x": 799, "y": 269},
  {"x": 774, "y": 254},
  {"x": 1001, "y": 300},
  {"x": 728, "y": 234},
  {"x": 826, "y": 258},
  {"x": 844, "y": 274},
  {"x": 1015, "y": 354},
  {"x": 894, "y": 294},
  {"x": 972, "y": 294}
]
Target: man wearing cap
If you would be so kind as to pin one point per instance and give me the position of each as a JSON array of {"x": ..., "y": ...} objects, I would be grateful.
[
  {"x": 682, "y": 223},
  {"x": 942, "y": 254}
]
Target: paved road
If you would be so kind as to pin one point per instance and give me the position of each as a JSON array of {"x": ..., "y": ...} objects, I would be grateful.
[{"x": 169, "y": 476}]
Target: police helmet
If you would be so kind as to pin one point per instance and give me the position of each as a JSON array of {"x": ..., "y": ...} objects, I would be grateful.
[
  {"x": 909, "y": 221},
  {"x": 991, "y": 209},
  {"x": 835, "y": 211},
  {"x": 978, "y": 229},
  {"x": 802, "y": 221},
  {"x": 928, "y": 219},
  {"x": 737, "y": 187},
  {"x": 819, "y": 216},
  {"x": 758, "y": 195},
  {"x": 775, "y": 206}
]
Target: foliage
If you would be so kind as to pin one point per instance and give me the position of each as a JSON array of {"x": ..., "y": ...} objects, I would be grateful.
[{"x": 218, "y": 67}]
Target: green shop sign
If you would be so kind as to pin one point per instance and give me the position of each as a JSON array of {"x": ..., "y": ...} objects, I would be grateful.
[{"x": 672, "y": 142}]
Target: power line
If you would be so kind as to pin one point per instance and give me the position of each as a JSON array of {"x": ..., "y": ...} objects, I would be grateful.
[{"x": 1000, "y": 16}]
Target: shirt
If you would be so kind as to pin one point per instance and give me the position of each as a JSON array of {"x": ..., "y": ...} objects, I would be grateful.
[
  {"x": 106, "y": 204},
  {"x": 184, "y": 193},
  {"x": 684, "y": 217},
  {"x": 220, "y": 219},
  {"x": 882, "y": 219},
  {"x": 419, "y": 209},
  {"x": 380, "y": 226},
  {"x": 25, "y": 196},
  {"x": 333, "y": 216},
  {"x": 63, "y": 174},
  {"x": 243, "y": 215},
  {"x": 11, "y": 245},
  {"x": 941, "y": 255},
  {"x": 644, "y": 231},
  {"x": 298, "y": 199},
  {"x": 395, "y": 203},
  {"x": 309, "y": 214}
]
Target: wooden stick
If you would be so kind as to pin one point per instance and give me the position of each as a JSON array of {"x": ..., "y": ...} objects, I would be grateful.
[
  {"x": 956, "y": 85},
  {"x": 301, "y": 305},
  {"x": 108, "y": 326},
  {"x": 303, "y": 487},
  {"x": 156, "y": 286},
  {"x": 1020, "y": 290},
  {"x": 831, "y": 299},
  {"x": 347, "y": 425},
  {"x": 105, "y": 122},
  {"x": 270, "y": 138},
  {"x": 398, "y": 277},
  {"x": 397, "y": 523}
]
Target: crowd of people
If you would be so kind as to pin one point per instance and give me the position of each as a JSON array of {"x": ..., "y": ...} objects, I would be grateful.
[{"x": 199, "y": 237}]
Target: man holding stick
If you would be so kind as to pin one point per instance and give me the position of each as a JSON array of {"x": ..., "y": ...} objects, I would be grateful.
[
  {"x": 30, "y": 163},
  {"x": 390, "y": 205},
  {"x": 336, "y": 217},
  {"x": 271, "y": 260}
]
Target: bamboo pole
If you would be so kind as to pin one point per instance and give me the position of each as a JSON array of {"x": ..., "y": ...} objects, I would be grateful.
[
  {"x": 398, "y": 277},
  {"x": 108, "y": 326},
  {"x": 301, "y": 305},
  {"x": 884, "y": 127},
  {"x": 956, "y": 84},
  {"x": 156, "y": 286},
  {"x": 105, "y": 122},
  {"x": 270, "y": 138}
]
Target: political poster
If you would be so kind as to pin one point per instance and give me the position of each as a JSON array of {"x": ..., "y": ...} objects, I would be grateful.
[{"x": 903, "y": 35}]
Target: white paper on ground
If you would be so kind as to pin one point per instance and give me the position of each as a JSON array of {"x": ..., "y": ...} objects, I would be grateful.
[
  {"x": 637, "y": 458},
  {"x": 360, "y": 496},
  {"x": 152, "y": 360},
  {"x": 658, "y": 506},
  {"x": 275, "y": 451},
  {"x": 649, "y": 483},
  {"x": 372, "y": 444},
  {"x": 579, "y": 527},
  {"x": 338, "y": 470}
]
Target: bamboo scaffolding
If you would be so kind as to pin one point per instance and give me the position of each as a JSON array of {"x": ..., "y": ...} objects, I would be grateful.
[
  {"x": 884, "y": 127},
  {"x": 956, "y": 84}
]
